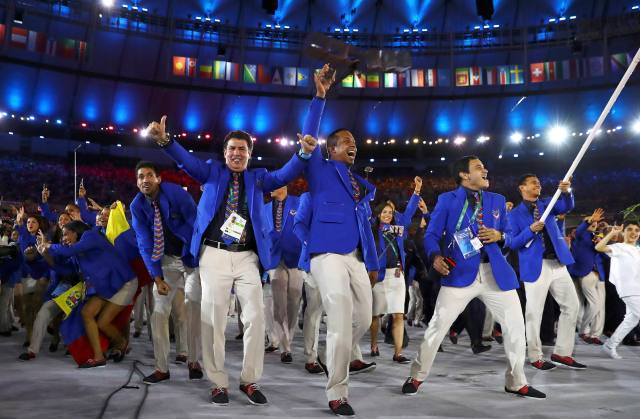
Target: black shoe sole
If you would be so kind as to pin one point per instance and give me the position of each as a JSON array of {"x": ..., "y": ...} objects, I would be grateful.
[
  {"x": 219, "y": 404},
  {"x": 524, "y": 396},
  {"x": 560, "y": 364}
]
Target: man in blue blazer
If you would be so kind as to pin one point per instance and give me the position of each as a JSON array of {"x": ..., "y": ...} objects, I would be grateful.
[
  {"x": 472, "y": 225},
  {"x": 543, "y": 256},
  {"x": 344, "y": 262},
  {"x": 588, "y": 272},
  {"x": 162, "y": 218},
  {"x": 284, "y": 276},
  {"x": 232, "y": 241}
]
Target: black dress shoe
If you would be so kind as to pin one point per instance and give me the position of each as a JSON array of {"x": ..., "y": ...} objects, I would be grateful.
[
  {"x": 270, "y": 349},
  {"x": 480, "y": 348},
  {"x": 375, "y": 352},
  {"x": 341, "y": 408},
  {"x": 453, "y": 337},
  {"x": 286, "y": 358},
  {"x": 527, "y": 391}
]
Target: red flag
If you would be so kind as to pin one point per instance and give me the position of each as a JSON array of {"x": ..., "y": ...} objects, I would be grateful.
[
  {"x": 36, "y": 41},
  {"x": 179, "y": 66},
  {"x": 550, "y": 70},
  {"x": 82, "y": 50},
  {"x": 264, "y": 75},
  {"x": 476, "y": 76},
  {"x": 491, "y": 75},
  {"x": 19, "y": 37},
  {"x": 432, "y": 77},
  {"x": 191, "y": 67},
  {"x": 2, "y": 31},
  {"x": 537, "y": 72}
]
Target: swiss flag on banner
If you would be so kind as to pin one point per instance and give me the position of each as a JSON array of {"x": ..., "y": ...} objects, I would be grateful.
[
  {"x": 476, "y": 76},
  {"x": 537, "y": 72},
  {"x": 19, "y": 37}
]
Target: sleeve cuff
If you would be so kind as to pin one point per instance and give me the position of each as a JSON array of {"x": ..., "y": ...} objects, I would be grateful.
[{"x": 303, "y": 156}]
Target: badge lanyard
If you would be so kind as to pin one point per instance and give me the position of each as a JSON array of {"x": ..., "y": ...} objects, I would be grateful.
[{"x": 464, "y": 212}]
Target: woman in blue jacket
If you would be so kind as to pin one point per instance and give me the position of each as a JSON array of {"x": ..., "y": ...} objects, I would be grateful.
[
  {"x": 390, "y": 290},
  {"x": 110, "y": 284}
]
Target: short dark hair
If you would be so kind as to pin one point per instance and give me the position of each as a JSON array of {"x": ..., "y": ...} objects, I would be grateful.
[
  {"x": 77, "y": 227},
  {"x": 523, "y": 179},
  {"x": 240, "y": 135},
  {"x": 332, "y": 138},
  {"x": 462, "y": 165},
  {"x": 630, "y": 221},
  {"x": 145, "y": 164}
]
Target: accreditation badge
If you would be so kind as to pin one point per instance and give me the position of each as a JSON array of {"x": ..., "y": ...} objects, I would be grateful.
[
  {"x": 467, "y": 242},
  {"x": 234, "y": 226}
]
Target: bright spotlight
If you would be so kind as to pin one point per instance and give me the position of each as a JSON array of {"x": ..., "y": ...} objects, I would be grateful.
[
  {"x": 558, "y": 134},
  {"x": 459, "y": 140},
  {"x": 144, "y": 133},
  {"x": 516, "y": 137},
  {"x": 636, "y": 127},
  {"x": 107, "y": 3}
]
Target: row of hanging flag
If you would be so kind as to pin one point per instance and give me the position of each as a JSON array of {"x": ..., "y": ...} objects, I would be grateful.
[
  {"x": 39, "y": 42},
  {"x": 571, "y": 69}
]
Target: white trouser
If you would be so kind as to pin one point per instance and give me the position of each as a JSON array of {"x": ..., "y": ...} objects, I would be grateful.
[
  {"x": 6, "y": 297},
  {"x": 312, "y": 316},
  {"x": 631, "y": 319},
  {"x": 504, "y": 305},
  {"x": 416, "y": 303},
  {"x": 48, "y": 311},
  {"x": 286, "y": 288},
  {"x": 270, "y": 327},
  {"x": 219, "y": 271},
  {"x": 553, "y": 279},
  {"x": 173, "y": 271},
  {"x": 193, "y": 296},
  {"x": 345, "y": 289},
  {"x": 593, "y": 290},
  {"x": 487, "y": 329}
]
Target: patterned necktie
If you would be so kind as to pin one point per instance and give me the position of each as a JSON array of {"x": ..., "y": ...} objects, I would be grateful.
[
  {"x": 355, "y": 186},
  {"x": 158, "y": 234},
  {"x": 279, "y": 205},
  {"x": 233, "y": 195},
  {"x": 478, "y": 209},
  {"x": 536, "y": 213}
]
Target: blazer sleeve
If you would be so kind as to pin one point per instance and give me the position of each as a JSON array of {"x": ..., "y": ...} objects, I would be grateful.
[
  {"x": 270, "y": 181},
  {"x": 436, "y": 228},
  {"x": 582, "y": 229},
  {"x": 302, "y": 218},
  {"x": 564, "y": 204},
  {"x": 88, "y": 241},
  {"x": 195, "y": 167},
  {"x": 46, "y": 212},
  {"x": 517, "y": 237},
  {"x": 314, "y": 116},
  {"x": 409, "y": 212},
  {"x": 87, "y": 216},
  {"x": 144, "y": 237}
]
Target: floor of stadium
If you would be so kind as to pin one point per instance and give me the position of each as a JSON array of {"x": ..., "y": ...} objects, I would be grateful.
[{"x": 461, "y": 385}]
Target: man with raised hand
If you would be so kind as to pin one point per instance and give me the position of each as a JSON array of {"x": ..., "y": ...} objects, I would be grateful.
[{"x": 229, "y": 238}]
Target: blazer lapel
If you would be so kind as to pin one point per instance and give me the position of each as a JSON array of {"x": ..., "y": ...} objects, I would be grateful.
[
  {"x": 460, "y": 197},
  {"x": 223, "y": 183},
  {"x": 249, "y": 187},
  {"x": 344, "y": 177}
]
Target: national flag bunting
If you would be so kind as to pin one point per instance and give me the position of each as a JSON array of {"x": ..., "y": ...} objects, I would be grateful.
[
  {"x": 475, "y": 74},
  {"x": 302, "y": 78},
  {"x": 264, "y": 76},
  {"x": 431, "y": 78},
  {"x": 233, "y": 72},
  {"x": 206, "y": 70},
  {"x": 536, "y": 72},
  {"x": 390, "y": 80},
  {"x": 347, "y": 81},
  {"x": 219, "y": 70},
  {"x": 179, "y": 66},
  {"x": 462, "y": 76},
  {"x": 517, "y": 76},
  {"x": 289, "y": 76},
  {"x": 19, "y": 37},
  {"x": 373, "y": 80},
  {"x": 249, "y": 74},
  {"x": 359, "y": 80}
]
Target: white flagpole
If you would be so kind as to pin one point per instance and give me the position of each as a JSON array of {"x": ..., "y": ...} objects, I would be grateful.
[{"x": 594, "y": 130}]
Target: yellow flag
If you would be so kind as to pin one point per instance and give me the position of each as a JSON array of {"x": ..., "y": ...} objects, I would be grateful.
[
  {"x": 70, "y": 298},
  {"x": 117, "y": 223}
]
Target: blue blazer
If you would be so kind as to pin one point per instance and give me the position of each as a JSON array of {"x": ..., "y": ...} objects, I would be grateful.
[
  {"x": 403, "y": 220},
  {"x": 38, "y": 267},
  {"x": 444, "y": 218},
  {"x": 214, "y": 177},
  {"x": 285, "y": 244},
  {"x": 88, "y": 216},
  {"x": 301, "y": 224},
  {"x": 178, "y": 212},
  {"x": 584, "y": 253},
  {"x": 105, "y": 271},
  {"x": 531, "y": 257},
  {"x": 339, "y": 224},
  {"x": 46, "y": 212}
]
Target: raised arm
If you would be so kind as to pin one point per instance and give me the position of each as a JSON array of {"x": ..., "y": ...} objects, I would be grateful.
[
  {"x": 602, "y": 245},
  {"x": 87, "y": 216},
  {"x": 44, "y": 209},
  {"x": 566, "y": 201},
  {"x": 88, "y": 241},
  {"x": 412, "y": 206}
]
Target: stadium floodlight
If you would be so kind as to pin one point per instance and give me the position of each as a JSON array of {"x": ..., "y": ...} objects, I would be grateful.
[
  {"x": 516, "y": 137},
  {"x": 558, "y": 134},
  {"x": 107, "y": 3}
]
